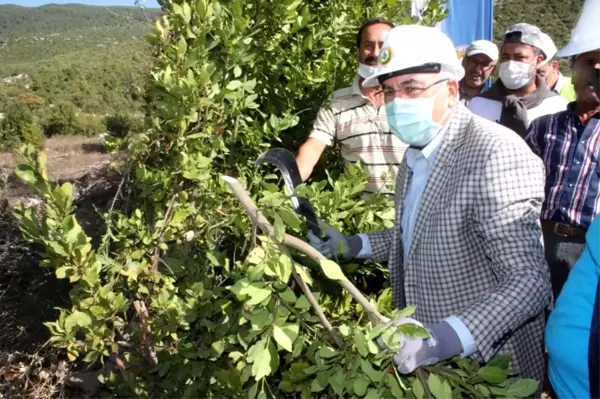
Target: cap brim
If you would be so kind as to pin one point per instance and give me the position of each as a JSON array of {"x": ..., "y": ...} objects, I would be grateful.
[{"x": 475, "y": 52}]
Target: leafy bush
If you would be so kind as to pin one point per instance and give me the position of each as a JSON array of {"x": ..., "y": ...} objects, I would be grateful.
[
  {"x": 120, "y": 125},
  {"x": 61, "y": 119},
  {"x": 19, "y": 126},
  {"x": 185, "y": 297}
]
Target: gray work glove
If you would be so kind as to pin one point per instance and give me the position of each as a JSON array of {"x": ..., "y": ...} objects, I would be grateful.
[
  {"x": 442, "y": 344},
  {"x": 335, "y": 244}
]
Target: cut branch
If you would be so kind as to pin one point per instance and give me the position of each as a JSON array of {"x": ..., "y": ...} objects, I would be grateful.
[{"x": 261, "y": 221}]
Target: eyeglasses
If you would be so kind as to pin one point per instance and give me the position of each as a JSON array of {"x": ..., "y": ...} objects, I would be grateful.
[
  {"x": 485, "y": 65},
  {"x": 409, "y": 91}
]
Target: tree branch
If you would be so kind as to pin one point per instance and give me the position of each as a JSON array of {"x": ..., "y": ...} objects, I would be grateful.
[{"x": 259, "y": 219}]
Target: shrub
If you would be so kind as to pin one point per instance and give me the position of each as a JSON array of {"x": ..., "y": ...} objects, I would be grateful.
[
  {"x": 19, "y": 126},
  {"x": 61, "y": 119},
  {"x": 184, "y": 294}
]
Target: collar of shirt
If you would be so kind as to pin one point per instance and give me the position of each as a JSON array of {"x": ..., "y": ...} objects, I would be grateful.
[
  {"x": 559, "y": 83},
  {"x": 428, "y": 152}
]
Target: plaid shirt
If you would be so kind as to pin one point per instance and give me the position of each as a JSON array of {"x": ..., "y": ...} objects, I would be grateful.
[
  {"x": 571, "y": 153},
  {"x": 476, "y": 249}
]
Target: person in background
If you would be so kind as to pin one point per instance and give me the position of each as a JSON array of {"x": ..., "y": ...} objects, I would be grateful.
[
  {"x": 355, "y": 119},
  {"x": 569, "y": 144},
  {"x": 479, "y": 63},
  {"x": 519, "y": 96},
  {"x": 465, "y": 247},
  {"x": 549, "y": 70}
]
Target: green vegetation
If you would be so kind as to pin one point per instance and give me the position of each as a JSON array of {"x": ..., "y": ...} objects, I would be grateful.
[
  {"x": 184, "y": 296},
  {"x": 94, "y": 58},
  {"x": 554, "y": 17}
]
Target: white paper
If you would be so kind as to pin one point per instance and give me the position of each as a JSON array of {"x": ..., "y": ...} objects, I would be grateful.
[{"x": 486, "y": 108}]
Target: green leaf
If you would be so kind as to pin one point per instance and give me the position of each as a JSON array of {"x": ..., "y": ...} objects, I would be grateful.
[
  {"x": 253, "y": 390},
  {"x": 284, "y": 268},
  {"x": 372, "y": 393},
  {"x": 288, "y": 296},
  {"x": 279, "y": 228},
  {"x": 413, "y": 331},
  {"x": 218, "y": 347},
  {"x": 234, "y": 85},
  {"x": 418, "y": 389},
  {"x": 337, "y": 382},
  {"x": 237, "y": 71},
  {"x": 368, "y": 369},
  {"x": 257, "y": 294},
  {"x": 181, "y": 47},
  {"x": 262, "y": 362},
  {"x": 360, "y": 344},
  {"x": 483, "y": 390},
  {"x": 286, "y": 335},
  {"x": 501, "y": 361},
  {"x": 392, "y": 339},
  {"x": 78, "y": 318},
  {"x": 327, "y": 352},
  {"x": 361, "y": 383},
  {"x": 256, "y": 256},
  {"x": 301, "y": 271},
  {"x": 405, "y": 312},
  {"x": 439, "y": 387},
  {"x": 395, "y": 388},
  {"x": 523, "y": 388},
  {"x": 61, "y": 272},
  {"x": 290, "y": 218},
  {"x": 332, "y": 270},
  {"x": 493, "y": 375},
  {"x": 317, "y": 386},
  {"x": 27, "y": 174},
  {"x": 259, "y": 319},
  {"x": 302, "y": 303}
]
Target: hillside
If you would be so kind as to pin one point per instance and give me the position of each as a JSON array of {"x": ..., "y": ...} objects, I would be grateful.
[
  {"x": 555, "y": 17},
  {"x": 95, "y": 58}
]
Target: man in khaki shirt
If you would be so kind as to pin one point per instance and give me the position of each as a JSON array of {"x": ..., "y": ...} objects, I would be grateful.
[{"x": 355, "y": 119}]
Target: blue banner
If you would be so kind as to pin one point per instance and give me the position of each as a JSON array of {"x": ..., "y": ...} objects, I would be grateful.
[{"x": 467, "y": 21}]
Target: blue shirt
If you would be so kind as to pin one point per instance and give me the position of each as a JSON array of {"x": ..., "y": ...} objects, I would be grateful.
[
  {"x": 571, "y": 154},
  {"x": 568, "y": 328}
]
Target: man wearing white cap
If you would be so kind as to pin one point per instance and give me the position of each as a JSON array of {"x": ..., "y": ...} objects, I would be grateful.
[
  {"x": 479, "y": 63},
  {"x": 520, "y": 95},
  {"x": 466, "y": 246},
  {"x": 550, "y": 71}
]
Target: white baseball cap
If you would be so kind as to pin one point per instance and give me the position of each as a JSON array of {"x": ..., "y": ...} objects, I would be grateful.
[
  {"x": 548, "y": 47},
  {"x": 483, "y": 47},
  {"x": 414, "y": 49}
]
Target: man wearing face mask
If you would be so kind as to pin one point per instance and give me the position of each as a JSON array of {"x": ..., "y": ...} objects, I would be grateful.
[
  {"x": 466, "y": 246},
  {"x": 520, "y": 95},
  {"x": 355, "y": 120},
  {"x": 569, "y": 144}
]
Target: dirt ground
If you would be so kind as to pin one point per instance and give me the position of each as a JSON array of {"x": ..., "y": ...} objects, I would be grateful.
[{"x": 29, "y": 294}]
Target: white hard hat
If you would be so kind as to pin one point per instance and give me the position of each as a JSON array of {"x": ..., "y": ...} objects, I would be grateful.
[
  {"x": 414, "y": 49},
  {"x": 548, "y": 47},
  {"x": 586, "y": 34}
]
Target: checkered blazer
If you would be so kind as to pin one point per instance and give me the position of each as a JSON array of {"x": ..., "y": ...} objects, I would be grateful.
[{"x": 476, "y": 250}]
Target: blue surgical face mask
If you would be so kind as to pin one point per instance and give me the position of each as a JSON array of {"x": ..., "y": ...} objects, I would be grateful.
[{"x": 411, "y": 120}]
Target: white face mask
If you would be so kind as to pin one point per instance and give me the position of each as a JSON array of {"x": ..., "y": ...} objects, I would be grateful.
[
  {"x": 515, "y": 75},
  {"x": 366, "y": 71}
]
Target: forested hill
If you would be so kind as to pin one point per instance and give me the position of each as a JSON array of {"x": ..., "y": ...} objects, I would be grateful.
[
  {"x": 93, "y": 57},
  {"x": 555, "y": 17},
  {"x": 17, "y": 21}
]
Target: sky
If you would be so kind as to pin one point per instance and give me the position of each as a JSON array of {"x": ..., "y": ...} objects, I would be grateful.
[{"x": 35, "y": 3}]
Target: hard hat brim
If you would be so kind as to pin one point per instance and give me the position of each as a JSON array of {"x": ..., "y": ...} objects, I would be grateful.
[{"x": 575, "y": 49}]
